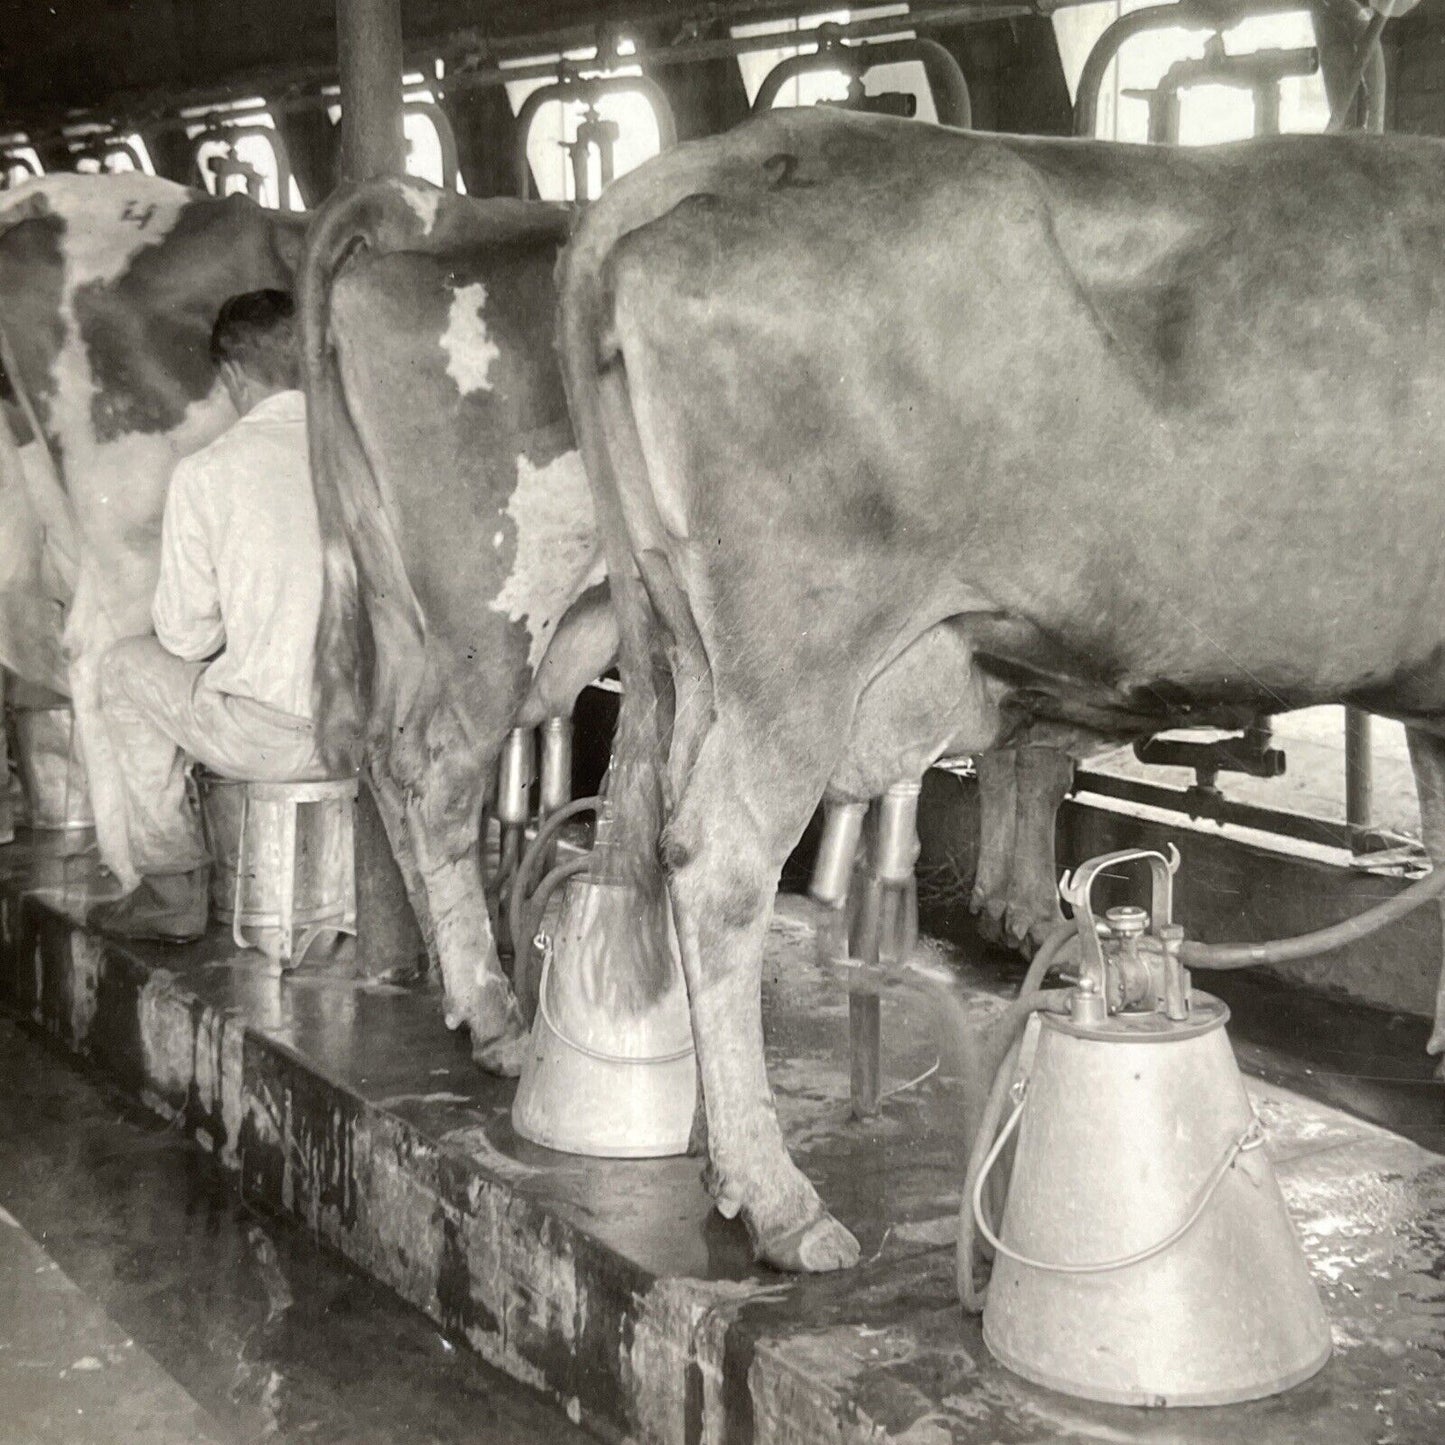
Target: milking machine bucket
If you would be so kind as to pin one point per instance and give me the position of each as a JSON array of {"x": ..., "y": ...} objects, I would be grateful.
[
  {"x": 601, "y": 1079},
  {"x": 1145, "y": 1255}
]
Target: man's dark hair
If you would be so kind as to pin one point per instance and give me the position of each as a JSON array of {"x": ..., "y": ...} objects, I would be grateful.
[{"x": 256, "y": 331}]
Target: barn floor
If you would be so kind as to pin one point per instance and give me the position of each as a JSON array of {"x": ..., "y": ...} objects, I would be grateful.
[{"x": 612, "y": 1286}]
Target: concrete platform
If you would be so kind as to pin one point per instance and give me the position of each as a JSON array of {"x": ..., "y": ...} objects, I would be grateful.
[{"x": 612, "y": 1286}]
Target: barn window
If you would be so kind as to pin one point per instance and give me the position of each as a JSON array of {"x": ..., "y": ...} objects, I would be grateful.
[
  {"x": 112, "y": 154},
  {"x": 906, "y": 77},
  {"x": 19, "y": 161},
  {"x": 1208, "y": 113},
  {"x": 554, "y": 129},
  {"x": 239, "y": 150}
]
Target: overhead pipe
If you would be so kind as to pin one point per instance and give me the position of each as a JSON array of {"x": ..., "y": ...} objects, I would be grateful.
[{"x": 478, "y": 66}]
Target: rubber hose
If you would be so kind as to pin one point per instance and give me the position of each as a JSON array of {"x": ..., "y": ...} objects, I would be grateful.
[
  {"x": 537, "y": 908},
  {"x": 522, "y": 878},
  {"x": 1322, "y": 940},
  {"x": 1047, "y": 956}
]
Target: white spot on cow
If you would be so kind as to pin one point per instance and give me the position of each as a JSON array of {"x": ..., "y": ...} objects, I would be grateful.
[
  {"x": 108, "y": 219},
  {"x": 498, "y": 538},
  {"x": 470, "y": 351},
  {"x": 557, "y": 554},
  {"x": 424, "y": 203}
]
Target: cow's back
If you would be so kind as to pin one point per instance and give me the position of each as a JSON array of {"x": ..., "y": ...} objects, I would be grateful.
[{"x": 1109, "y": 394}]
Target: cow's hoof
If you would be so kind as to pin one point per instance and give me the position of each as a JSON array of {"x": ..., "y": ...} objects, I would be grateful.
[
  {"x": 1020, "y": 940},
  {"x": 990, "y": 913},
  {"x": 504, "y": 1055},
  {"x": 820, "y": 1245}
]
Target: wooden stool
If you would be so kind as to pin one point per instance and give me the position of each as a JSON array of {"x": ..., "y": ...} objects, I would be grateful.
[{"x": 283, "y": 871}]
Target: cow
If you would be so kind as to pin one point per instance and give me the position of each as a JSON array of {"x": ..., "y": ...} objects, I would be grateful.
[
  {"x": 463, "y": 572},
  {"x": 922, "y": 441},
  {"x": 109, "y": 286}
]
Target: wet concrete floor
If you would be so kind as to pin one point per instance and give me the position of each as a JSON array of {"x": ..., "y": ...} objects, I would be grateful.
[
  {"x": 142, "y": 1303},
  {"x": 714, "y": 1349}
]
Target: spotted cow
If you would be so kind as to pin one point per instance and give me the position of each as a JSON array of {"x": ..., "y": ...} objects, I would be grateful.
[
  {"x": 109, "y": 286},
  {"x": 446, "y": 475},
  {"x": 924, "y": 440}
]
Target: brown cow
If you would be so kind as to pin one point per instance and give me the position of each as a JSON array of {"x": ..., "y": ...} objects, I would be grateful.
[
  {"x": 444, "y": 464},
  {"x": 922, "y": 439}
]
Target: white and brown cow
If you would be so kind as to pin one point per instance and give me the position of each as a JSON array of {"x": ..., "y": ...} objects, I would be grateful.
[
  {"x": 446, "y": 472},
  {"x": 109, "y": 286},
  {"x": 923, "y": 439}
]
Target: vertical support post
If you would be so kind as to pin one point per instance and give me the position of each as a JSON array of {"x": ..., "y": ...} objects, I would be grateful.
[
  {"x": 369, "y": 58},
  {"x": 369, "y": 61},
  {"x": 7, "y": 816},
  {"x": 1359, "y": 777},
  {"x": 865, "y": 1052}
]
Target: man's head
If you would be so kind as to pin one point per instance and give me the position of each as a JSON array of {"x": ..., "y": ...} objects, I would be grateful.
[{"x": 254, "y": 346}]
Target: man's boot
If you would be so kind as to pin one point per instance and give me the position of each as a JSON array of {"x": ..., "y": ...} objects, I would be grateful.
[{"x": 169, "y": 907}]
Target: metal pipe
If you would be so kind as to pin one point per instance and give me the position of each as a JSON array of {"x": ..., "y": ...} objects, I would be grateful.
[
  {"x": 468, "y": 72},
  {"x": 1197, "y": 14},
  {"x": 945, "y": 79},
  {"x": 1359, "y": 776},
  {"x": 837, "y": 850},
  {"x": 589, "y": 91},
  {"x": 1362, "y": 69}
]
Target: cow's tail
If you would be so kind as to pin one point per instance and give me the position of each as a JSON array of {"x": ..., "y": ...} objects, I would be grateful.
[
  {"x": 602, "y": 418},
  {"x": 377, "y": 217},
  {"x": 338, "y": 687}
]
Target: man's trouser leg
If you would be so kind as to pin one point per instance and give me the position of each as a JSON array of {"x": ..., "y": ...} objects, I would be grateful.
[
  {"x": 145, "y": 695},
  {"x": 159, "y": 711}
]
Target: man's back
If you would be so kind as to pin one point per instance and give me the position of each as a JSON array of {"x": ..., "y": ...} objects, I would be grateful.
[{"x": 241, "y": 559}]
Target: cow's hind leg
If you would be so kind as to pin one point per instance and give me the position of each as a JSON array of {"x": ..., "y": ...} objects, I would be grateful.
[
  {"x": 1427, "y": 757},
  {"x": 1043, "y": 778},
  {"x": 442, "y": 770},
  {"x": 745, "y": 803},
  {"x": 997, "y": 826},
  {"x": 390, "y": 803}
]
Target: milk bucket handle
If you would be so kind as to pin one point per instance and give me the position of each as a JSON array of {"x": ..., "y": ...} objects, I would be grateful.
[{"x": 544, "y": 943}]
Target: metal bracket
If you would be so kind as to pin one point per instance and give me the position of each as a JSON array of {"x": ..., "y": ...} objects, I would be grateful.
[{"x": 1077, "y": 888}]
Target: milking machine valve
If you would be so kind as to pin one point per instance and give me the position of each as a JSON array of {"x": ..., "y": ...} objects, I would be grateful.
[{"x": 1130, "y": 958}]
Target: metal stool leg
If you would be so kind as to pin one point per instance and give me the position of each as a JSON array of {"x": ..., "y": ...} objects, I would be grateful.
[
  {"x": 286, "y": 882},
  {"x": 237, "y": 936}
]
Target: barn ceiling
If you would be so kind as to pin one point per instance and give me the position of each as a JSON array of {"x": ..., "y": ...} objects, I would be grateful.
[{"x": 59, "y": 55}]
